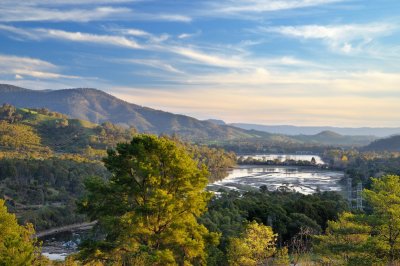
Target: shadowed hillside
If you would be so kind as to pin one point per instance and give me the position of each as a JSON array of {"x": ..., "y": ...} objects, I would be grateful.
[
  {"x": 387, "y": 144},
  {"x": 333, "y": 138},
  {"x": 97, "y": 106}
]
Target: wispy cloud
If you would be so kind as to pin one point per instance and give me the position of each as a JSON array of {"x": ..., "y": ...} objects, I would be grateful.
[
  {"x": 345, "y": 38},
  {"x": 19, "y": 32},
  {"x": 172, "y": 17},
  {"x": 188, "y": 35},
  {"x": 20, "y": 67},
  {"x": 141, "y": 34},
  {"x": 89, "y": 38},
  {"x": 68, "y": 2},
  {"x": 154, "y": 63},
  {"x": 79, "y": 11},
  {"x": 122, "y": 41},
  {"x": 341, "y": 98},
  {"x": 33, "y": 13},
  {"x": 259, "y": 6}
]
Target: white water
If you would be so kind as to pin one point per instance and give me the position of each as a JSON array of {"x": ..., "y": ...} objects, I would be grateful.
[{"x": 305, "y": 180}]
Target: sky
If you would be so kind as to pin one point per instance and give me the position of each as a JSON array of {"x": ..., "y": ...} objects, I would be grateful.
[{"x": 274, "y": 62}]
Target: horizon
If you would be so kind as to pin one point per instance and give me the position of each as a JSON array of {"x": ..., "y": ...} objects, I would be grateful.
[
  {"x": 311, "y": 63},
  {"x": 324, "y": 128}
]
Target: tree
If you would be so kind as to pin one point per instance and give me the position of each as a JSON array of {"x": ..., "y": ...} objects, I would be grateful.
[
  {"x": 384, "y": 197},
  {"x": 17, "y": 245},
  {"x": 148, "y": 209},
  {"x": 345, "y": 240},
  {"x": 281, "y": 257},
  {"x": 255, "y": 246}
]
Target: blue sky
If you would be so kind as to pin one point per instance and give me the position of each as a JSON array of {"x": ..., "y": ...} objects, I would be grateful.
[{"x": 301, "y": 62}]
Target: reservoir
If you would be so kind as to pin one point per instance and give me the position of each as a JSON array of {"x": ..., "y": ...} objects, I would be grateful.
[{"x": 306, "y": 180}]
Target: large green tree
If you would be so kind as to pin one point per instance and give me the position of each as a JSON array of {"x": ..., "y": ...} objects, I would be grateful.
[
  {"x": 17, "y": 245},
  {"x": 255, "y": 246},
  {"x": 384, "y": 197},
  {"x": 147, "y": 212},
  {"x": 345, "y": 241},
  {"x": 374, "y": 239}
]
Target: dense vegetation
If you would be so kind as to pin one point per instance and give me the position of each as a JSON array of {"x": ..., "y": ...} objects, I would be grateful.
[
  {"x": 17, "y": 245},
  {"x": 361, "y": 166},
  {"x": 387, "y": 144},
  {"x": 45, "y": 157},
  {"x": 43, "y": 192},
  {"x": 286, "y": 212},
  {"x": 149, "y": 198},
  {"x": 147, "y": 211}
]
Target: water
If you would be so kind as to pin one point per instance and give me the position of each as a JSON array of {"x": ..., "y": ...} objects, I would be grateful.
[
  {"x": 59, "y": 246},
  {"x": 306, "y": 180}
]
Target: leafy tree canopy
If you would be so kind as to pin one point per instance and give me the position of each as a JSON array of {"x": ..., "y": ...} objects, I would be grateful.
[
  {"x": 148, "y": 209},
  {"x": 17, "y": 246}
]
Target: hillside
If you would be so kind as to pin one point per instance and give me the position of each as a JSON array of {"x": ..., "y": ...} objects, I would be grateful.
[
  {"x": 45, "y": 157},
  {"x": 333, "y": 138},
  {"x": 387, "y": 144},
  {"x": 40, "y": 132},
  {"x": 312, "y": 130},
  {"x": 98, "y": 107}
]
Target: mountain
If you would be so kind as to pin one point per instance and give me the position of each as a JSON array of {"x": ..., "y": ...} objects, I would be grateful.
[
  {"x": 333, "y": 138},
  {"x": 387, "y": 144},
  {"x": 98, "y": 107},
  {"x": 216, "y": 121},
  {"x": 308, "y": 130}
]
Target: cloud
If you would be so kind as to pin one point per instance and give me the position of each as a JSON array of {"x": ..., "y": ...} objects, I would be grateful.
[
  {"x": 78, "y": 11},
  {"x": 122, "y": 41},
  {"x": 256, "y": 9},
  {"x": 188, "y": 35},
  {"x": 172, "y": 17},
  {"x": 19, "y": 32},
  {"x": 33, "y": 13},
  {"x": 258, "y": 6},
  {"x": 342, "y": 99},
  {"x": 141, "y": 34},
  {"x": 207, "y": 58},
  {"x": 20, "y": 67},
  {"x": 89, "y": 38},
  {"x": 345, "y": 38},
  {"x": 254, "y": 106},
  {"x": 67, "y": 2},
  {"x": 155, "y": 64}
]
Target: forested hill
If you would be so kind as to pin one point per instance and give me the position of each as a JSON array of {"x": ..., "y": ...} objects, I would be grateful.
[
  {"x": 98, "y": 107},
  {"x": 333, "y": 138},
  {"x": 387, "y": 144},
  {"x": 40, "y": 133},
  {"x": 45, "y": 157}
]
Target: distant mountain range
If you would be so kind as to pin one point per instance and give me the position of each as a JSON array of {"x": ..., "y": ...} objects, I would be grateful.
[
  {"x": 309, "y": 130},
  {"x": 98, "y": 107},
  {"x": 386, "y": 144}
]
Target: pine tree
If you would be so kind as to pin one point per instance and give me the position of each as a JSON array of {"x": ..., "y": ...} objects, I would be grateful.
[{"x": 148, "y": 210}]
